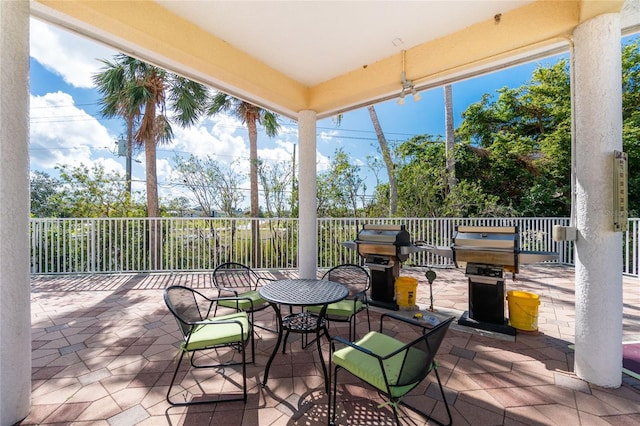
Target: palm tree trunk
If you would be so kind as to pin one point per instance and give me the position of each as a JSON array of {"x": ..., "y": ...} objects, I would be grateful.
[
  {"x": 129, "y": 152},
  {"x": 256, "y": 258},
  {"x": 153, "y": 209},
  {"x": 450, "y": 138},
  {"x": 386, "y": 155}
]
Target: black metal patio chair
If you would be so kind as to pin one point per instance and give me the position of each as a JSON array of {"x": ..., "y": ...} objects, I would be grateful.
[
  {"x": 391, "y": 366},
  {"x": 203, "y": 330},
  {"x": 357, "y": 281},
  {"x": 239, "y": 280}
]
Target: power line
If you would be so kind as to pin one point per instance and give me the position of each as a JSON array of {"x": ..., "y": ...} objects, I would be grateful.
[
  {"x": 71, "y": 118},
  {"x": 70, "y": 148},
  {"x": 63, "y": 106}
]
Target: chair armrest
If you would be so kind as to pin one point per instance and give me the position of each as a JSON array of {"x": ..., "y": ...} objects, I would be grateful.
[
  {"x": 351, "y": 344},
  {"x": 361, "y": 295},
  {"x": 213, "y": 300},
  {"x": 264, "y": 279},
  {"x": 213, "y": 321},
  {"x": 423, "y": 326},
  {"x": 228, "y": 290},
  {"x": 236, "y": 298}
]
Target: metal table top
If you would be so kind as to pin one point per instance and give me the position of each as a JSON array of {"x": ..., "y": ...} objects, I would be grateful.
[{"x": 303, "y": 292}]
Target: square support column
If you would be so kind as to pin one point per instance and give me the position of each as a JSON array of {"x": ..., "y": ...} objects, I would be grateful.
[{"x": 15, "y": 304}]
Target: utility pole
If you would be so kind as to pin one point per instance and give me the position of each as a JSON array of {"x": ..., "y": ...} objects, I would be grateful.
[
  {"x": 128, "y": 166},
  {"x": 125, "y": 150}
]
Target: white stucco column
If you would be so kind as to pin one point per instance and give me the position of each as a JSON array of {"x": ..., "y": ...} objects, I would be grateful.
[
  {"x": 598, "y": 132},
  {"x": 15, "y": 305},
  {"x": 308, "y": 213}
]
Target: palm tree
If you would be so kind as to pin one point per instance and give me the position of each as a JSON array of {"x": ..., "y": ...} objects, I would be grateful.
[
  {"x": 250, "y": 115},
  {"x": 386, "y": 155},
  {"x": 109, "y": 84},
  {"x": 139, "y": 92}
]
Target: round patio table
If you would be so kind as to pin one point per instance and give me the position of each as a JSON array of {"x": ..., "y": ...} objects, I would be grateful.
[{"x": 301, "y": 292}]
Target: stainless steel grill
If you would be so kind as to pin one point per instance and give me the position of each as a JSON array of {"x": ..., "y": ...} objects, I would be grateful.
[
  {"x": 490, "y": 245},
  {"x": 487, "y": 252},
  {"x": 384, "y": 248}
]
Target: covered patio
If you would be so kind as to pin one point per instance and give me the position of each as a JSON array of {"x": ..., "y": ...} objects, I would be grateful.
[
  {"x": 104, "y": 348},
  {"x": 306, "y": 76}
]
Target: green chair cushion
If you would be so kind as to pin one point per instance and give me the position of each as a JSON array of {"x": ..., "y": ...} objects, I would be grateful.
[
  {"x": 367, "y": 367},
  {"x": 343, "y": 308},
  {"x": 244, "y": 305},
  {"x": 207, "y": 335}
]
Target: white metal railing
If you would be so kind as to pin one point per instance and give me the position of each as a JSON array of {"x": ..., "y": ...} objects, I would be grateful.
[
  {"x": 182, "y": 244},
  {"x": 110, "y": 245}
]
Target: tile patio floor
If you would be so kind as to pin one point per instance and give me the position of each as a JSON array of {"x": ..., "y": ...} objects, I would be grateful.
[{"x": 104, "y": 349}]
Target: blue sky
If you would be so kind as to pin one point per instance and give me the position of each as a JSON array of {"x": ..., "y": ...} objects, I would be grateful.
[{"x": 66, "y": 128}]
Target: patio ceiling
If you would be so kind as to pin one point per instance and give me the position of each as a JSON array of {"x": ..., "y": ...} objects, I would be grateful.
[{"x": 326, "y": 56}]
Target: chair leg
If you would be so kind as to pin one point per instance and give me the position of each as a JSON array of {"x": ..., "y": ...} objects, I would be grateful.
[
  {"x": 332, "y": 390},
  {"x": 304, "y": 341},
  {"x": 262, "y": 327},
  {"x": 270, "y": 330},
  {"x": 368, "y": 318},
  {"x": 244, "y": 369},
  {"x": 173, "y": 379},
  {"x": 305, "y": 336},
  {"x": 210, "y": 401},
  {"x": 331, "y": 398},
  {"x": 444, "y": 399},
  {"x": 395, "y": 414},
  {"x": 253, "y": 344},
  {"x": 352, "y": 329}
]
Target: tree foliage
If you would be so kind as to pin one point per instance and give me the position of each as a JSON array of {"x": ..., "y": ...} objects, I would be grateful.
[
  {"x": 512, "y": 153},
  {"x": 424, "y": 184},
  {"x": 341, "y": 190},
  {"x": 94, "y": 192},
  {"x": 276, "y": 178},
  {"x": 43, "y": 195},
  {"x": 250, "y": 115},
  {"x": 518, "y": 147},
  {"x": 631, "y": 120},
  {"x": 213, "y": 185}
]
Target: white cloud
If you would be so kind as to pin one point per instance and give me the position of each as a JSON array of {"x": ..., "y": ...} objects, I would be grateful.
[
  {"x": 68, "y": 55},
  {"x": 111, "y": 165},
  {"x": 322, "y": 162},
  {"x": 281, "y": 153},
  {"x": 61, "y": 133},
  {"x": 328, "y": 137},
  {"x": 216, "y": 137},
  {"x": 289, "y": 129}
]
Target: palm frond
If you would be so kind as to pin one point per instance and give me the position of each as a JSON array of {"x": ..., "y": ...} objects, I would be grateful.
[
  {"x": 270, "y": 123},
  {"x": 221, "y": 102},
  {"x": 187, "y": 99}
]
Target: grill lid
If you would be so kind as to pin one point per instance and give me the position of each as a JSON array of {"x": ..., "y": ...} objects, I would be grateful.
[
  {"x": 489, "y": 245},
  {"x": 384, "y": 234},
  {"x": 495, "y": 238}
]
